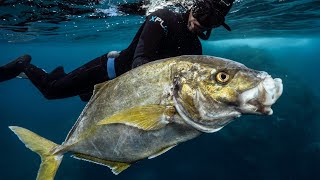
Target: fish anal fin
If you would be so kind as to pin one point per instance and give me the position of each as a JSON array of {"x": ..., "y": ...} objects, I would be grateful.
[
  {"x": 148, "y": 117},
  {"x": 116, "y": 167},
  {"x": 162, "y": 151}
]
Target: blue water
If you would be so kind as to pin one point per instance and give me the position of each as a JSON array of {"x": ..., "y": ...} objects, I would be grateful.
[{"x": 280, "y": 37}]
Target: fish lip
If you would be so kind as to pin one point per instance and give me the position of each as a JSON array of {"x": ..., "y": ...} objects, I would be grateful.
[{"x": 259, "y": 99}]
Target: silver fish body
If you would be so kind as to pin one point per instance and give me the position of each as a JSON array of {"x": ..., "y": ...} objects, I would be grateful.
[{"x": 150, "y": 109}]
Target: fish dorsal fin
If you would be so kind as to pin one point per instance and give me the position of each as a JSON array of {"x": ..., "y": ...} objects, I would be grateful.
[
  {"x": 162, "y": 151},
  {"x": 99, "y": 86},
  {"x": 116, "y": 167},
  {"x": 149, "y": 117}
]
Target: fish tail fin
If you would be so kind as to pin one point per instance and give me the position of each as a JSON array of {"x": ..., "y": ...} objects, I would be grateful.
[{"x": 49, "y": 161}]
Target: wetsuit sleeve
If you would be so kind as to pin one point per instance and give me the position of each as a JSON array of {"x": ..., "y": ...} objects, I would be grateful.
[
  {"x": 198, "y": 50},
  {"x": 150, "y": 41}
]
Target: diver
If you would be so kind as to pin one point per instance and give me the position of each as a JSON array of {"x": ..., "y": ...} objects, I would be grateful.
[{"x": 163, "y": 34}]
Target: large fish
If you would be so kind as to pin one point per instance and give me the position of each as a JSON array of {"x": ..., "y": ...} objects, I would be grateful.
[{"x": 150, "y": 109}]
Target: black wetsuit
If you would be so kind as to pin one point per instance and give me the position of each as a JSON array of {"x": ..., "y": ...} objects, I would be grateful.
[{"x": 163, "y": 34}]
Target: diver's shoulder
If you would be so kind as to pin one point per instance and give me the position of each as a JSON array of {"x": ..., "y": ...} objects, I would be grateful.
[{"x": 163, "y": 13}]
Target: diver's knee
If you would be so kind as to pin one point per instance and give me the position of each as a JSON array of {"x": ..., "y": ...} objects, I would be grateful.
[{"x": 49, "y": 95}]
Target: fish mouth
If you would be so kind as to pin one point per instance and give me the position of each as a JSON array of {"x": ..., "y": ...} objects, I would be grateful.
[{"x": 259, "y": 99}]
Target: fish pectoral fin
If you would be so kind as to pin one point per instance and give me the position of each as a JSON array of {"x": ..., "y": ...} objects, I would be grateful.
[
  {"x": 149, "y": 117},
  {"x": 162, "y": 151},
  {"x": 116, "y": 167}
]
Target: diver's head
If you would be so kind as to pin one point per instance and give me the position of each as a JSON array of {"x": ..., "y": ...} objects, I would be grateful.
[{"x": 208, "y": 14}]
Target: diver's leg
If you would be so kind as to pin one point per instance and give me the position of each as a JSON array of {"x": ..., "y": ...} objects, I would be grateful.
[
  {"x": 38, "y": 77},
  {"x": 81, "y": 81},
  {"x": 14, "y": 68}
]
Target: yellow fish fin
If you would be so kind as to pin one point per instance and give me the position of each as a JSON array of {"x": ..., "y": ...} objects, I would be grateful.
[
  {"x": 116, "y": 167},
  {"x": 49, "y": 162},
  {"x": 162, "y": 151},
  {"x": 149, "y": 117}
]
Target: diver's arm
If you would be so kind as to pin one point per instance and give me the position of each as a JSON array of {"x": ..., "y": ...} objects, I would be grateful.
[
  {"x": 198, "y": 49},
  {"x": 150, "y": 40}
]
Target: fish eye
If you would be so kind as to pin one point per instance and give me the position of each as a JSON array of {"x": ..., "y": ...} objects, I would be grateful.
[{"x": 222, "y": 77}]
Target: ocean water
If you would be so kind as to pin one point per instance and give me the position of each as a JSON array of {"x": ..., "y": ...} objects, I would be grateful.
[{"x": 281, "y": 37}]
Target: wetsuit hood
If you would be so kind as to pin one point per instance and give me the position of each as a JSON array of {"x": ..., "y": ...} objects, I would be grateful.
[
  {"x": 211, "y": 13},
  {"x": 201, "y": 35}
]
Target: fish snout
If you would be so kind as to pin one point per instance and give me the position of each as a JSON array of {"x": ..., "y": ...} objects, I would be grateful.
[{"x": 259, "y": 100}]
